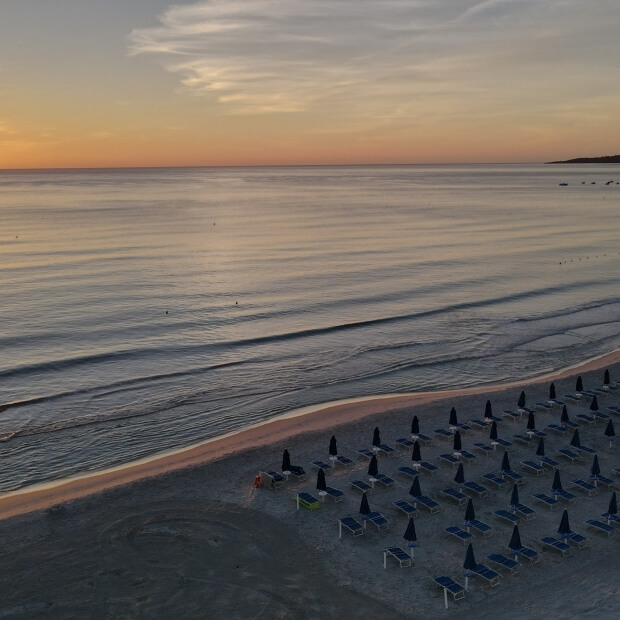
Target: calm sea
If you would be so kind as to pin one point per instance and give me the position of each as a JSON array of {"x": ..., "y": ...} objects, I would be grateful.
[{"x": 144, "y": 310}]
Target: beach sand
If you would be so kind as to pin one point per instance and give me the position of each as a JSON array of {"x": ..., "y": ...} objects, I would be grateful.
[{"x": 188, "y": 535}]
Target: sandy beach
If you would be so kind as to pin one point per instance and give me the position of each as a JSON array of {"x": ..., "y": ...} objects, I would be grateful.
[{"x": 187, "y": 534}]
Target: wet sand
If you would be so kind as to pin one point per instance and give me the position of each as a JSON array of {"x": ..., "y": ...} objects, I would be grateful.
[{"x": 187, "y": 534}]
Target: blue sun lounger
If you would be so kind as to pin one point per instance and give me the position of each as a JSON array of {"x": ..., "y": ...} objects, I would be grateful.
[
  {"x": 409, "y": 509},
  {"x": 606, "y": 482},
  {"x": 526, "y": 552},
  {"x": 524, "y": 511},
  {"x": 564, "y": 495},
  {"x": 386, "y": 450},
  {"x": 601, "y": 527},
  {"x": 326, "y": 467},
  {"x": 585, "y": 419},
  {"x": 524, "y": 439},
  {"x": 377, "y": 519},
  {"x": 543, "y": 406},
  {"x": 554, "y": 402},
  {"x": 586, "y": 487},
  {"x": 475, "y": 488},
  {"x": 612, "y": 518},
  {"x": 410, "y": 472},
  {"x": 479, "y": 527},
  {"x": 404, "y": 559},
  {"x": 615, "y": 410},
  {"x": 458, "y": 533},
  {"x": 586, "y": 450},
  {"x": 575, "y": 539},
  {"x": 512, "y": 476},
  {"x": 481, "y": 425},
  {"x": 488, "y": 574},
  {"x": 512, "y": 415},
  {"x": 467, "y": 456},
  {"x": 404, "y": 443},
  {"x": 307, "y": 501},
  {"x": 365, "y": 453},
  {"x": 494, "y": 479},
  {"x": 450, "y": 459},
  {"x": 272, "y": 479},
  {"x": 360, "y": 485},
  {"x": 427, "y": 503},
  {"x": 429, "y": 468},
  {"x": 425, "y": 439},
  {"x": 599, "y": 415},
  {"x": 574, "y": 398},
  {"x": 386, "y": 481},
  {"x": 349, "y": 523},
  {"x": 453, "y": 494},
  {"x": 443, "y": 433},
  {"x": 569, "y": 454},
  {"x": 464, "y": 428},
  {"x": 343, "y": 460},
  {"x": 532, "y": 467},
  {"x": 335, "y": 494},
  {"x": 547, "y": 461},
  {"x": 546, "y": 500},
  {"x": 483, "y": 447},
  {"x": 557, "y": 545},
  {"x": 509, "y": 517},
  {"x": 556, "y": 428},
  {"x": 449, "y": 585},
  {"x": 504, "y": 562}
]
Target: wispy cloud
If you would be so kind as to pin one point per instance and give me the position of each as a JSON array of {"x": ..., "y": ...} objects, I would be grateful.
[{"x": 382, "y": 59}]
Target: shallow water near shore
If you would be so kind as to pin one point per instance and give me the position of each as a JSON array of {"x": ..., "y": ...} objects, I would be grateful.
[{"x": 145, "y": 310}]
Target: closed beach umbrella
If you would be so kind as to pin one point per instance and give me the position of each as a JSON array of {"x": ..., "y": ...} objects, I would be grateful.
[
  {"x": 493, "y": 433},
  {"x": 564, "y": 529},
  {"x": 540, "y": 450},
  {"x": 470, "y": 514},
  {"x": 610, "y": 432},
  {"x": 410, "y": 535},
  {"x": 606, "y": 380},
  {"x": 531, "y": 422},
  {"x": 376, "y": 437},
  {"x": 515, "y": 541},
  {"x": 564, "y": 416},
  {"x": 579, "y": 385},
  {"x": 415, "y": 490},
  {"x": 505, "y": 462},
  {"x": 373, "y": 467},
  {"x": 594, "y": 404},
  {"x": 488, "y": 410},
  {"x": 321, "y": 485},
  {"x": 457, "y": 441},
  {"x": 469, "y": 564},
  {"x": 459, "y": 478},
  {"x": 286, "y": 461},
  {"x": 595, "y": 470},
  {"x": 613, "y": 505},
  {"x": 514, "y": 498},
  {"x": 556, "y": 485},
  {"x": 452, "y": 420},
  {"x": 415, "y": 425},
  {"x": 364, "y": 506},
  {"x": 575, "y": 441},
  {"x": 521, "y": 401},
  {"x": 333, "y": 447},
  {"x": 416, "y": 454},
  {"x": 552, "y": 392}
]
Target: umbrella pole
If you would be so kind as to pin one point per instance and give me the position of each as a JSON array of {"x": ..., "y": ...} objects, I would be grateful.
[
  {"x": 445, "y": 597},
  {"x": 384, "y": 559},
  {"x": 339, "y": 529},
  {"x": 297, "y": 501}
]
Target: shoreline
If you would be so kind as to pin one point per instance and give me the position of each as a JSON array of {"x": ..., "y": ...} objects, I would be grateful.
[{"x": 296, "y": 422}]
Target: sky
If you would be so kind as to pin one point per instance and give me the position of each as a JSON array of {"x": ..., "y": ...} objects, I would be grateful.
[{"x": 124, "y": 83}]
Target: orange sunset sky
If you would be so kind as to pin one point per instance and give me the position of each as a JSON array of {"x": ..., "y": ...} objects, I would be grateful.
[{"x": 88, "y": 83}]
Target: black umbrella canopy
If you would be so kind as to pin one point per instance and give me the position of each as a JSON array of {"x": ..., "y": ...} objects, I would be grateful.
[
  {"x": 594, "y": 404},
  {"x": 576, "y": 441},
  {"x": 488, "y": 410},
  {"x": 470, "y": 560},
  {"x": 333, "y": 447},
  {"x": 505, "y": 466},
  {"x": 552, "y": 391},
  {"x": 373, "y": 467},
  {"x": 609, "y": 431},
  {"x": 564, "y": 528},
  {"x": 540, "y": 450},
  {"x": 531, "y": 421},
  {"x": 493, "y": 433},
  {"x": 415, "y": 425},
  {"x": 595, "y": 470},
  {"x": 470, "y": 513},
  {"x": 515, "y": 539},
  {"x": 364, "y": 506},
  {"x": 321, "y": 485},
  {"x": 457, "y": 441},
  {"x": 564, "y": 416},
  {"x": 376, "y": 437},
  {"x": 613, "y": 505},
  {"x": 452, "y": 420},
  {"x": 410, "y": 534},
  {"x": 416, "y": 454},
  {"x": 521, "y": 401},
  {"x": 459, "y": 478},
  {"x": 286, "y": 461},
  {"x": 579, "y": 384},
  {"x": 606, "y": 380},
  {"x": 415, "y": 490},
  {"x": 514, "y": 498},
  {"x": 557, "y": 483}
]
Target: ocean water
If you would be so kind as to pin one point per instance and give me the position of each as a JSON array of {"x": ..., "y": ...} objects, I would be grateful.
[{"x": 145, "y": 310}]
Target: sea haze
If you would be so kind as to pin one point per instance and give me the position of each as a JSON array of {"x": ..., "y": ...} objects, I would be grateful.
[{"x": 145, "y": 310}]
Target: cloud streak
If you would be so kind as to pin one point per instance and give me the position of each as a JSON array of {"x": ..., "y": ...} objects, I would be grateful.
[{"x": 381, "y": 59}]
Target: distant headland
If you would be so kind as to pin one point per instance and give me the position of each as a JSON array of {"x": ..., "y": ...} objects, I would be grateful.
[{"x": 606, "y": 159}]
